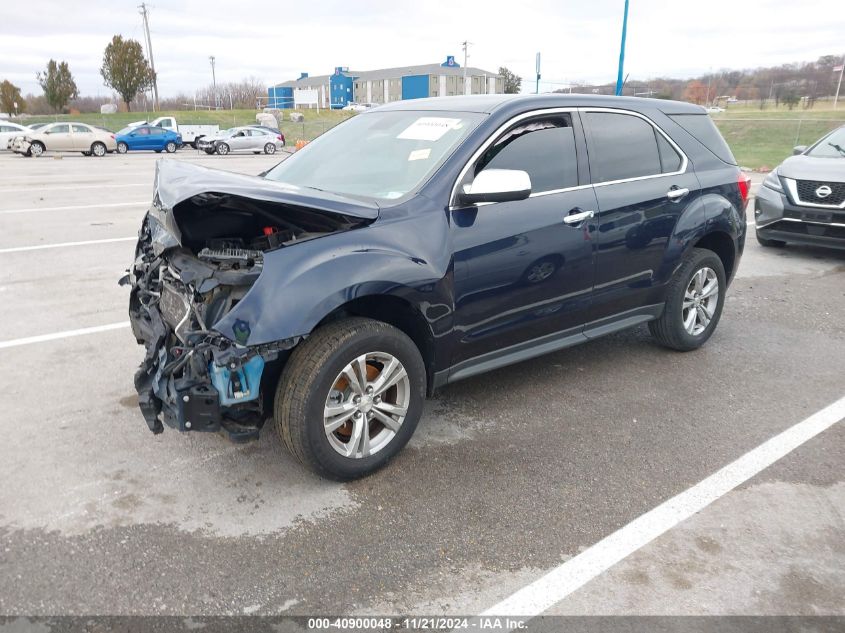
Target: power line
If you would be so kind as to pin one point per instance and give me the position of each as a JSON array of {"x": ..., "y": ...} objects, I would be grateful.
[{"x": 143, "y": 11}]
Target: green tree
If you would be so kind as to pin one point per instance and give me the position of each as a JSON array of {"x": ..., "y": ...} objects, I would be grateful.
[
  {"x": 513, "y": 82},
  {"x": 11, "y": 100},
  {"x": 125, "y": 68},
  {"x": 58, "y": 84},
  {"x": 790, "y": 99}
]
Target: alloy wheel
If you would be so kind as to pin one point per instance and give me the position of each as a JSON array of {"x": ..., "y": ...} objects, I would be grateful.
[
  {"x": 540, "y": 272},
  {"x": 366, "y": 405},
  {"x": 701, "y": 299}
]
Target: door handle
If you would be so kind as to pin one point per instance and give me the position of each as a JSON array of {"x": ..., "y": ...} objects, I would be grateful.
[
  {"x": 676, "y": 194},
  {"x": 575, "y": 218}
]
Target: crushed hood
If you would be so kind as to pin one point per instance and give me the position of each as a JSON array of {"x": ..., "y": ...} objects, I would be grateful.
[
  {"x": 811, "y": 168},
  {"x": 176, "y": 181}
]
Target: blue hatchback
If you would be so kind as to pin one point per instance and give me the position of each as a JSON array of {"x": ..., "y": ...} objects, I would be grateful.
[{"x": 147, "y": 137}]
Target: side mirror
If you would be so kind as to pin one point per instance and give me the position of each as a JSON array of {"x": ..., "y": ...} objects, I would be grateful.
[
  {"x": 497, "y": 185},
  {"x": 799, "y": 149}
]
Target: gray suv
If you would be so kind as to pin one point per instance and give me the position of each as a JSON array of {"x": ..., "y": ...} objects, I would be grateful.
[{"x": 803, "y": 200}]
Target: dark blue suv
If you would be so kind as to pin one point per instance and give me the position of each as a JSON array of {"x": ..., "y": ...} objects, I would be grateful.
[{"x": 420, "y": 243}]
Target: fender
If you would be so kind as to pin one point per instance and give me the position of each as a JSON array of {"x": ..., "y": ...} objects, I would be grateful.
[
  {"x": 722, "y": 216},
  {"x": 408, "y": 259},
  {"x": 690, "y": 227}
]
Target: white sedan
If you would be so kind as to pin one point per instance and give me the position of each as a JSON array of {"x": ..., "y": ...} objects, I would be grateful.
[{"x": 8, "y": 131}]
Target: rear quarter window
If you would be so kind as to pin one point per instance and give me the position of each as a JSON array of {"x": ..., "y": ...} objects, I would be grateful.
[{"x": 701, "y": 126}]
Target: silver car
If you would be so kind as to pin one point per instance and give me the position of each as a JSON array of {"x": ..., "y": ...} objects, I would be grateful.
[
  {"x": 242, "y": 139},
  {"x": 802, "y": 200}
]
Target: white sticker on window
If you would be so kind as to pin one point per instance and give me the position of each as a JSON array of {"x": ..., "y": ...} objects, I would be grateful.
[
  {"x": 429, "y": 128},
  {"x": 419, "y": 154}
]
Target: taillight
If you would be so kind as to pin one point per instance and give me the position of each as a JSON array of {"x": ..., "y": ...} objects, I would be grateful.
[
  {"x": 112, "y": 135},
  {"x": 280, "y": 137},
  {"x": 744, "y": 182}
]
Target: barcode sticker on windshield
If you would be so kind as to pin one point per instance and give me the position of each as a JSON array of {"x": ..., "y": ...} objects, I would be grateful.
[
  {"x": 419, "y": 154},
  {"x": 429, "y": 128}
]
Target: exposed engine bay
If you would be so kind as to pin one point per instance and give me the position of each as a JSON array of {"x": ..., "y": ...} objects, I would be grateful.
[{"x": 194, "y": 263}]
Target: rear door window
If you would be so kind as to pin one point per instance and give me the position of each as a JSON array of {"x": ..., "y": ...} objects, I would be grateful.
[
  {"x": 81, "y": 129},
  {"x": 701, "y": 126},
  {"x": 544, "y": 148},
  {"x": 621, "y": 146}
]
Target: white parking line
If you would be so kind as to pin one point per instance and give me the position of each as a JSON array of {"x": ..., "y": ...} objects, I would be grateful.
[
  {"x": 41, "y": 338},
  {"x": 21, "y": 249},
  {"x": 534, "y": 599},
  {"x": 105, "y": 205},
  {"x": 40, "y": 189}
]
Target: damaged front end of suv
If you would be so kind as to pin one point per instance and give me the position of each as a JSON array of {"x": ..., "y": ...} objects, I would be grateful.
[{"x": 201, "y": 249}]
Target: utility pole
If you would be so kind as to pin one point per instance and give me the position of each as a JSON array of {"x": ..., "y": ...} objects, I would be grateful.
[
  {"x": 143, "y": 11},
  {"x": 709, "y": 79},
  {"x": 839, "y": 83},
  {"x": 213, "y": 80},
  {"x": 619, "y": 79},
  {"x": 537, "y": 85}
]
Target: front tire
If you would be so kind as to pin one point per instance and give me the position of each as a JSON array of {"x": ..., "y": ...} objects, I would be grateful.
[
  {"x": 122, "y": 148},
  {"x": 98, "y": 149},
  {"x": 222, "y": 149},
  {"x": 693, "y": 302},
  {"x": 170, "y": 147},
  {"x": 37, "y": 149},
  {"x": 350, "y": 397}
]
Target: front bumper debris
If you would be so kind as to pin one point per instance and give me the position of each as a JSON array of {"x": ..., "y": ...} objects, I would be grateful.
[{"x": 193, "y": 378}]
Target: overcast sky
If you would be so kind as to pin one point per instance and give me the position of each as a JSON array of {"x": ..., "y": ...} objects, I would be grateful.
[{"x": 274, "y": 41}]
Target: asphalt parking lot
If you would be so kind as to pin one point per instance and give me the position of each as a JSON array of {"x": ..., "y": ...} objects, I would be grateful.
[{"x": 511, "y": 474}]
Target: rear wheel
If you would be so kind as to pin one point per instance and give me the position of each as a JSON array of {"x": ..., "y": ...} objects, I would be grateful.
[
  {"x": 37, "y": 148},
  {"x": 98, "y": 149},
  {"x": 122, "y": 148},
  {"x": 693, "y": 302},
  {"x": 269, "y": 148},
  {"x": 350, "y": 397},
  {"x": 170, "y": 147},
  {"x": 222, "y": 149}
]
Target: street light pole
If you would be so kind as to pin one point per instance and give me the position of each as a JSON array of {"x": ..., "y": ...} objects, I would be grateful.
[
  {"x": 466, "y": 58},
  {"x": 619, "y": 79},
  {"x": 213, "y": 81},
  {"x": 143, "y": 12},
  {"x": 839, "y": 83}
]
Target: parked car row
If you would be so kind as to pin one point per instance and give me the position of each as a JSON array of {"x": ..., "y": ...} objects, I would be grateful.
[{"x": 160, "y": 135}]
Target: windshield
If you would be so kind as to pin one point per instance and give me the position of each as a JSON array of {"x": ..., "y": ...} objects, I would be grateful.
[
  {"x": 382, "y": 155},
  {"x": 832, "y": 146}
]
